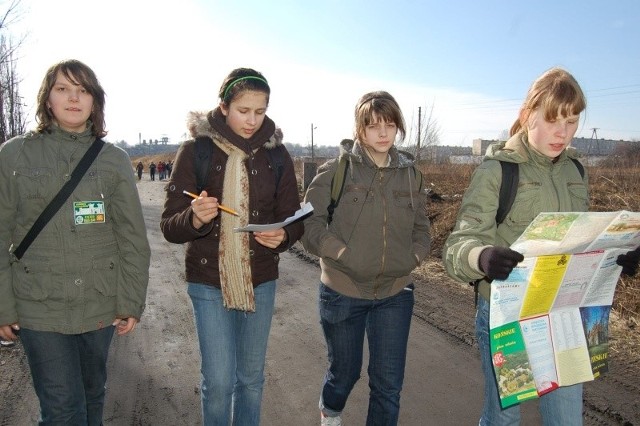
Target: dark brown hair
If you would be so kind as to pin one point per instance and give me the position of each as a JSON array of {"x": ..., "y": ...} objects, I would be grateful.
[
  {"x": 241, "y": 80},
  {"x": 81, "y": 75}
]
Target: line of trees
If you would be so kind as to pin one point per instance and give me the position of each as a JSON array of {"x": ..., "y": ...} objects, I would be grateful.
[{"x": 12, "y": 119}]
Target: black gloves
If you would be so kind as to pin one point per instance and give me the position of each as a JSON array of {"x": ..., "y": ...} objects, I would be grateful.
[
  {"x": 628, "y": 261},
  {"x": 498, "y": 262}
]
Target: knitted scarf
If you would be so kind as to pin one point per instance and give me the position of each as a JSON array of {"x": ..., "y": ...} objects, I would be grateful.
[{"x": 233, "y": 257}]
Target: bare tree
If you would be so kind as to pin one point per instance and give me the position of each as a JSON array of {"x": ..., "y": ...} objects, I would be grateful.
[
  {"x": 424, "y": 134},
  {"x": 12, "y": 119}
]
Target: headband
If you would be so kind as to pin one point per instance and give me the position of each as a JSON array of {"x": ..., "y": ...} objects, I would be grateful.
[{"x": 237, "y": 80}]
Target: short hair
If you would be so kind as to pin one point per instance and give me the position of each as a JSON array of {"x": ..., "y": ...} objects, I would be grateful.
[
  {"x": 554, "y": 92},
  {"x": 81, "y": 75},
  {"x": 240, "y": 80},
  {"x": 381, "y": 105}
]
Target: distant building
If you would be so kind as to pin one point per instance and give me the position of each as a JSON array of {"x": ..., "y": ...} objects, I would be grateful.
[{"x": 480, "y": 146}]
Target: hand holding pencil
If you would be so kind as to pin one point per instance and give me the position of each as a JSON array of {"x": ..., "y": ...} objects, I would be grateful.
[{"x": 205, "y": 208}]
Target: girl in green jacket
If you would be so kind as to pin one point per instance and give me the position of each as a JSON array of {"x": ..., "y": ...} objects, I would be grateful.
[
  {"x": 85, "y": 275},
  {"x": 478, "y": 248}
]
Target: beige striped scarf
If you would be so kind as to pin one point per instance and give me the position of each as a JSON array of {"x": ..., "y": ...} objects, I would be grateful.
[{"x": 234, "y": 260}]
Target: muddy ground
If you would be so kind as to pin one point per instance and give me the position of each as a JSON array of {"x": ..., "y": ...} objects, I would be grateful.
[{"x": 154, "y": 378}]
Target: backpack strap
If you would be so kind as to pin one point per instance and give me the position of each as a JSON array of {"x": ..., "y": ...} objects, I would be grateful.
[
  {"x": 337, "y": 186},
  {"x": 276, "y": 160},
  {"x": 508, "y": 189},
  {"x": 579, "y": 166},
  {"x": 202, "y": 165},
  {"x": 418, "y": 175}
]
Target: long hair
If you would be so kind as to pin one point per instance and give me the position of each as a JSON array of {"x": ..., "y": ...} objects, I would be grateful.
[
  {"x": 81, "y": 75},
  {"x": 383, "y": 106},
  {"x": 554, "y": 92}
]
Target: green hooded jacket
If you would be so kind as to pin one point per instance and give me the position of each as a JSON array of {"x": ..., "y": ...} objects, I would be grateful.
[
  {"x": 544, "y": 186},
  {"x": 381, "y": 221},
  {"x": 90, "y": 264}
]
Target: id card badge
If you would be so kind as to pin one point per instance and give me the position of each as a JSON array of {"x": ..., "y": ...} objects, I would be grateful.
[{"x": 88, "y": 212}]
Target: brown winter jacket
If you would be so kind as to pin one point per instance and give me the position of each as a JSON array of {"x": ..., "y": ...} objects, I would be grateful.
[{"x": 266, "y": 205}]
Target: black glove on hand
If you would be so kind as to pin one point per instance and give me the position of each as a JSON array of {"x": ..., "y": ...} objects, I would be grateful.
[
  {"x": 629, "y": 262},
  {"x": 498, "y": 262}
]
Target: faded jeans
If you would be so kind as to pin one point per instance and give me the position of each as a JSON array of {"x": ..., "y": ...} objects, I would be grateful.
[
  {"x": 69, "y": 373},
  {"x": 561, "y": 407},
  {"x": 233, "y": 347},
  {"x": 386, "y": 322}
]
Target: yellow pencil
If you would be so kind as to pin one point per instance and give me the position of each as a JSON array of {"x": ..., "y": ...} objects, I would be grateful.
[{"x": 220, "y": 206}]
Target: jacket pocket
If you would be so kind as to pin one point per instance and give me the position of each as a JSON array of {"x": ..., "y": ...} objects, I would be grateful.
[
  {"x": 526, "y": 206},
  {"x": 99, "y": 182},
  {"x": 105, "y": 276},
  {"x": 33, "y": 279},
  {"x": 579, "y": 196},
  {"x": 349, "y": 211},
  {"x": 35, "y": 182}
]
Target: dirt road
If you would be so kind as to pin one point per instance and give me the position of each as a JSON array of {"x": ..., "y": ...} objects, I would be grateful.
[{"x": 154, "y": 373}]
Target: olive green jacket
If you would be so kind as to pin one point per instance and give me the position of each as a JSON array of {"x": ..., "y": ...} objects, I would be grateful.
[
  {"x": 544, "y": 186},
  {"x": 381, "y": 223},
  {"x": 77, "y": 276}
]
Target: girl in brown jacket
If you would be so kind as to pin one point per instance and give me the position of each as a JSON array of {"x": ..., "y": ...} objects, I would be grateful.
[{"x": 231, "y": 275}]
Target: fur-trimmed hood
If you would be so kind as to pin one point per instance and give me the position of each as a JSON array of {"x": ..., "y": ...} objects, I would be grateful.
[{"x": 211, "y": 124}]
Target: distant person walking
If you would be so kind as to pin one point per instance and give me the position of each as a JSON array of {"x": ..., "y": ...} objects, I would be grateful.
[
  {"x": 84, "y": 277},
  {"x": 161, "y": 170},
  {"x": 231, "y": 276},
  {"x": 478, "y": 248},
  {"x": 378, "y": 235},
  {"x": 139, "y": 169},
  {"x": 152, "y": 171}
]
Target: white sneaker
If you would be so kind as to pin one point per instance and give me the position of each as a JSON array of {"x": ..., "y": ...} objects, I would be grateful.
[{"x": 330, "y": 421}]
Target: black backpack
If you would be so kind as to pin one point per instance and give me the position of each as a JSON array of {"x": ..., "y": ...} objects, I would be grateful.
[{"x": 204, "y": 149}]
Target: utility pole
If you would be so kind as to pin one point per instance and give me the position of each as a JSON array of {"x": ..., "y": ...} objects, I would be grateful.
[
  {"x": 312, "y": 154},
  {"x": 419, "y": 133},
  {"x": 594, "y": 136}
]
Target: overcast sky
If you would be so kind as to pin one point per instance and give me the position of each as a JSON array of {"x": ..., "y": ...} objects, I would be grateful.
[{"x": 471, "y": 61}]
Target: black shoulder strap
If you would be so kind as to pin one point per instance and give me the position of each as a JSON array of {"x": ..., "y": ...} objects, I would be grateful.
[
  {"x": 60, "y": 198},
  {"x": 276, "y": 159},
  {"x": 203, "y": 151},
  {"x": 508, "y": 189},
  {"x": 337, "y": 186},
  {"x": 579, "y": 166}
]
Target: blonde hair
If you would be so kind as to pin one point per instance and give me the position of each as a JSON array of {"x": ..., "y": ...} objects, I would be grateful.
[
  {"x": 383, "y": 106},
  {"x": 554, "y": 92}
]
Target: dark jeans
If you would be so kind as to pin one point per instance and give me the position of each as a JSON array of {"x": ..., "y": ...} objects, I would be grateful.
[
  {"x": 344, "y": 323},
  {"x": 69, "y": 373}
]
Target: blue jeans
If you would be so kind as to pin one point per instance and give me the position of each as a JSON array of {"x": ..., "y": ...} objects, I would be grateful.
[
  {"x": 386, "y": 322},
  {"x": 69, "y": 373},
  {"x": 562, "y": 407},
  {"x": 233, "y": 347}
]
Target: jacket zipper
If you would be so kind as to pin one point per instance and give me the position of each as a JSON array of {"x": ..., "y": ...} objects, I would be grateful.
[{"x": 384, "y": 233}]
